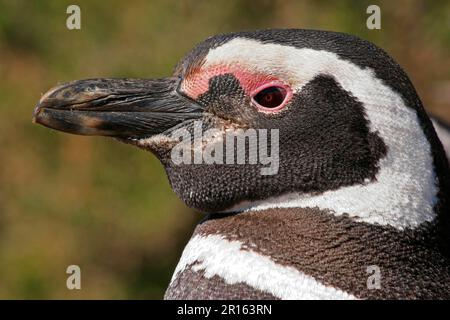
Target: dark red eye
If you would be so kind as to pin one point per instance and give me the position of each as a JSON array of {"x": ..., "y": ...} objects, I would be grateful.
[{"x": 271, "y": 97}]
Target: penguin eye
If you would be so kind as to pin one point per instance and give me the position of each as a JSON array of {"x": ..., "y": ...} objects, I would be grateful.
[{"x": 270, "y": 97}]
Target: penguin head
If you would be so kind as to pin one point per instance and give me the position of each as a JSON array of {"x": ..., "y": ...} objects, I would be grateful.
[{"x": 331, "y": 112}]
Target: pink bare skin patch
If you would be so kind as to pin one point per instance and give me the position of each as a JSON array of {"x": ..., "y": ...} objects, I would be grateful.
[{"x": 197, "y": 82}]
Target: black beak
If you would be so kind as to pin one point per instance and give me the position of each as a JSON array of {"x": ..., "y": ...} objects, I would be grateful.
[{"x": 123, "y": 108}]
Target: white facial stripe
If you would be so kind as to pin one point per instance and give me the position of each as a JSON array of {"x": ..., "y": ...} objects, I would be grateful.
[
  {"x": 217, "y": 256},
  {"x": 444, "y": 135},
  {"x": 405, "y": 191}
]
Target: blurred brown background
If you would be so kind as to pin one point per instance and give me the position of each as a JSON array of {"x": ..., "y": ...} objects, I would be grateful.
[{"x": 106, "y": 206}]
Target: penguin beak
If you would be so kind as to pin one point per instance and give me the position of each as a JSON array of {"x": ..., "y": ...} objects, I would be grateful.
[{"x": 122, "y": 108}]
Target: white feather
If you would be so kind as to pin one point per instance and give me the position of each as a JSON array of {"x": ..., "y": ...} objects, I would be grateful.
[{"x": 217, "y": 256}]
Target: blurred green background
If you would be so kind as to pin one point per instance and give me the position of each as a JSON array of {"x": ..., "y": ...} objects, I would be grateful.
[{"x": 106, "y": 206}]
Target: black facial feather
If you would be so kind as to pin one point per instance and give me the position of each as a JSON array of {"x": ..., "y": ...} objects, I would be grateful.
[
  {"x": 324, "y": 143},
  {"x": 225, "y": 98}
]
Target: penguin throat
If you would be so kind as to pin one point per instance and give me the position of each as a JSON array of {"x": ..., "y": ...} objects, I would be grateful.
[{"x": 402, "y": 195}]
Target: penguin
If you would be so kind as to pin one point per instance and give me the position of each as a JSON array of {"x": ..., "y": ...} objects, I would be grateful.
[{"x": 358, "y": 206}]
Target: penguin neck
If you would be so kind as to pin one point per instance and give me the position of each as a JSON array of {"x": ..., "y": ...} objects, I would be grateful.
[{"x": 404, "y": 192}]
